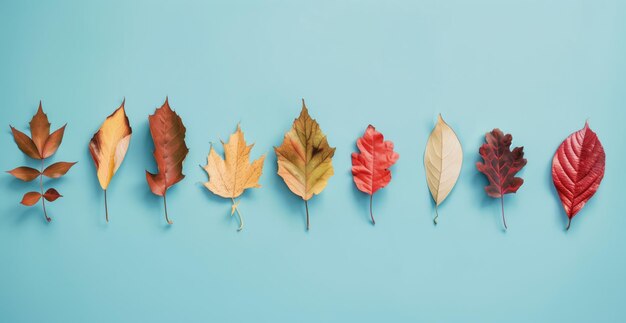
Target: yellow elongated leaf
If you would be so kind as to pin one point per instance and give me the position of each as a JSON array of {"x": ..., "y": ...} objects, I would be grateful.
[
  {"x": 231, "y": 176},
  {"x": 305, "y": 158},
  {"x": 443, "y": 160},
  {"x": 109, "y": 145}
]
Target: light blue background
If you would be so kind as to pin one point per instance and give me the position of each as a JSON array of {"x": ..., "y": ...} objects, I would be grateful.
[{"x": 536, "y": 69}]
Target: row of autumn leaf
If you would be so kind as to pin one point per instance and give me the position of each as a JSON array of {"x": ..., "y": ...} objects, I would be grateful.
[{"x": 305, "y": 161}]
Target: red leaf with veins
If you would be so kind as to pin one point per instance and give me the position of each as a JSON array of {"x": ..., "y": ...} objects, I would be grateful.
[
  {"x": 370, "y": 167},
  {"x": 578, "y": 169},
  {"x": 500, "y": 165},
  {"x": 170, "y": 150}
]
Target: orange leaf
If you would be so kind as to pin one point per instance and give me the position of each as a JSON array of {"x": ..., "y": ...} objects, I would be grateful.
[
  {"x": 40, "y": 129},
  {"x": 25, "y": 144},
  {"x": 53, "y": 142},
  {"x": 57, "y": 170},
  {"x": 170, "y": 150},
  {"x": 31, "y": 198},
  {"x": 108, "y": 147},
  {"x": 24, "y": 173},
  {"x": 51, "y": 195}
]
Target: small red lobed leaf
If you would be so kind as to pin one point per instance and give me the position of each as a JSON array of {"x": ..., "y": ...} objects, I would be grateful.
[
  {"x": 501, "y": 164},
  {"x": 578, "y": 169},
  {"x": 31, "y": 198},
  {"x": 24, "y": 173},
  {"x": 51, "y": 195},
  {"x": 370, "y": 167}
]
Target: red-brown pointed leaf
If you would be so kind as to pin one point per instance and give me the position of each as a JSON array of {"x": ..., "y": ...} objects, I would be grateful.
[
  {"x": 24, "y": 173},
  {"x": 31, "y": 198},
  {"x": 25, "y": 144},
  {"x": 40, "y": 129},
  {"x": 57, "y": 170},
  {"x": 170, "y": 150},
  {"x": 370, "y": 167},
  {"x": 501, "y": 164},
  {"x": 53, "y": 142},
  {"x": 51, "y": 195},
  {"x": 578, "y": 169}
]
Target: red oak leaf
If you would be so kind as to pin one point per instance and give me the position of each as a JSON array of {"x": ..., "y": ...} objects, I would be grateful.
[
  {"x": 370, "y": 167},
  {"x": 500, "y": 165},
  {"x": 578, "y": 169}
]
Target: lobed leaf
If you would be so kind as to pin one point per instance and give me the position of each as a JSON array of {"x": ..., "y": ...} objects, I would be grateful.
[{"x": 370, "y": 167}]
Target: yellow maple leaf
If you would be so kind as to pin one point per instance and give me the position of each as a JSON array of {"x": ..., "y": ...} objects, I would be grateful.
[
  {"x": 231, "y": 176},
  {"x": 305, "y": 158}
]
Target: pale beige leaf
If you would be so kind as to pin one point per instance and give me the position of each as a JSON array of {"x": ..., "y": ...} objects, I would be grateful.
[{"x": 443, "y": 160}]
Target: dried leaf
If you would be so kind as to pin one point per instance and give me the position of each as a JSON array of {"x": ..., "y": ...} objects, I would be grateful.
[
  {"x": 231, "y": 176},
  {"x": 24, "y": 173},
  {"x": 51, "y": 195},
  {"x": 25, "y": 144},
  {"x": 53, "y": 142},
  {"x": 370, "y": 167},
  {"x": 500, "y": 165},
  {"x": 41, "y": 146},
  {"x": 40, "y": 129},
  {"x": 170, "y": 150},
  {"x": 31, "y": 198},
  {"x": 108, "y": 148},
  {"x": 58, "y": 169},
  {"x": 305, "y": 158},
  {"x": 578, "y": 169},
  {"x": 443, "y": 160}
]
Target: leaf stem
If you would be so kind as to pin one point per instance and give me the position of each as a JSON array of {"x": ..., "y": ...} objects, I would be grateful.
[
  {"x": 165, "y": 207},
  {"x": 502, "y": 204},
  {"x": 371, "y": 213},
  {"x": 106, "y": 208},
  {"x": 238, "y": 215},
  {"x": 569, "y": 222},
  {"x": 43, "y": 199},
  {"x": 436, "y": 213},
  {"x": 306, "y": 206}
]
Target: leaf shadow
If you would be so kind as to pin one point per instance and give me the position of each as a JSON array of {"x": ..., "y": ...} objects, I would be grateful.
[
  {"x": 97, "y": 196},
  {"x": 362, "y": 199},
  {"x": 561, "y": 218},
  {"x": 21, "y": 213},
  {"x": 294, "y": 203}
]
